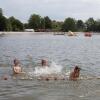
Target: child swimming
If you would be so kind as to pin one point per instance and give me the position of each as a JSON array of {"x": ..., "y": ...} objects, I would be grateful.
[
  {"x": 44, "y": 63},
  {"x": 16, "y": 67},
  {"x": 74, "y": 75}
]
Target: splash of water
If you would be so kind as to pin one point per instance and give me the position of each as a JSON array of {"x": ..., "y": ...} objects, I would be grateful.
[{"x": 52, "y": 69}]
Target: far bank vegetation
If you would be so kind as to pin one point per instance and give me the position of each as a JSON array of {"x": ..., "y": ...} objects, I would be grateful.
[{"x": 45, "y": 24}]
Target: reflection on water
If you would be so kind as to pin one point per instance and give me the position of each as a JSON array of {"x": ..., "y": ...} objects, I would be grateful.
[{"x": 65, "y": 51}]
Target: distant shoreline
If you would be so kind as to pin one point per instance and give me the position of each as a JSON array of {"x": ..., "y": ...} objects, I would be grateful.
[
  {"x": 41, "y": 33},
  {"x": 4, "y": 33}
]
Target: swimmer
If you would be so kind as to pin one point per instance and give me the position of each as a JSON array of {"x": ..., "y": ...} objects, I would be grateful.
[
  {"x": 75, "y": 74},
  {"x": 16, "y": 67},
  {"x": 4, "y": 77},
  {"x": 44, "y": 62}
]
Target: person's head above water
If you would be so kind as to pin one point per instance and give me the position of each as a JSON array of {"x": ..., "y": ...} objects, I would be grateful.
[
  {"x": 16, "y": 67},
  {"x": 44, "y": 62},
  {"x": 16, "y": 62},
  {"x": 77, "y": 68},
  {"x": 74, "y": 75}
]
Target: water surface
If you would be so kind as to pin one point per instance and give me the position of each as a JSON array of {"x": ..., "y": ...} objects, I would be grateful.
[{"x": 65, "y": 51}]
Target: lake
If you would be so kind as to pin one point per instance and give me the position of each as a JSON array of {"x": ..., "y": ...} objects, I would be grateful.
[{"x": 64, "y": 51}]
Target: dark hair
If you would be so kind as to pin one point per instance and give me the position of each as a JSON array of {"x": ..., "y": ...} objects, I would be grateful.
[
  {"x": 77, "y": 68},
  {"x": 16, "y": 61},
  {"x": 43, "y": 62}
]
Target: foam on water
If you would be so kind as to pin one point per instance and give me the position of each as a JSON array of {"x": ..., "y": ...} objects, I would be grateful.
[
  {"x": 67, "y": 73},
  {"x": 52, "y": 69}
]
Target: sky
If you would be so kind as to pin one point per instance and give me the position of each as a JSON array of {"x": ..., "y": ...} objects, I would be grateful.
[{"x": 55, "y": 9}]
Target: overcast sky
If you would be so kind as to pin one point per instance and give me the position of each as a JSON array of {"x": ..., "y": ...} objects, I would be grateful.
[{"x": 55, "y": 9}]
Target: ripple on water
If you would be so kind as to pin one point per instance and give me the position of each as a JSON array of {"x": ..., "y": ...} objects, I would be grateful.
[{"x": 66, "y": 51}]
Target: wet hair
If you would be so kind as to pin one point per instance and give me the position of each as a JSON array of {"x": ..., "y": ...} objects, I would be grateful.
[
  {"x": 47, "y": 79},
  {"x": 16, "y": 62},
  {"x": 43, "y": 62},
  {"x": 77, "y": 68}
]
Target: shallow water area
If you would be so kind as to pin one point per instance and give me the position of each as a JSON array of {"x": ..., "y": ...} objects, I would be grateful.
[{"x": 65, "y": 51}]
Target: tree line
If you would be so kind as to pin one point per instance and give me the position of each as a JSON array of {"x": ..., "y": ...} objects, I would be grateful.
[{"x": 39, "y": 23}]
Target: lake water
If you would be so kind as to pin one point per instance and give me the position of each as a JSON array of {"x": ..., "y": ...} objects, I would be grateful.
[{"x": 64, "y": 51}]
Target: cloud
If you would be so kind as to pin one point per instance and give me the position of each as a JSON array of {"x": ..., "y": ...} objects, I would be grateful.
[{"x": 55, "y": 9}]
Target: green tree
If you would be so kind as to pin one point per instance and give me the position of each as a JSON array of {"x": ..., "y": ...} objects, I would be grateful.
[
  {"x": 69, "y": 24},
  {"x": 42, "y": 23},
  {"x": 80, "y": 25},
  {"x": 16, "y": 25},
  {"x": 3, "y": 23},
  {"x": 9, "y": 26},
  {"x": 48, "y": 22},
  {"x": 34, "y": 21},
  {"x": 97, "y": 25},
  {"x": 26, "y": 26},
  {"x": 1, "y": 12},
  {"x": 90, "y": 24},
  {"x": 56, "y": 25}
]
